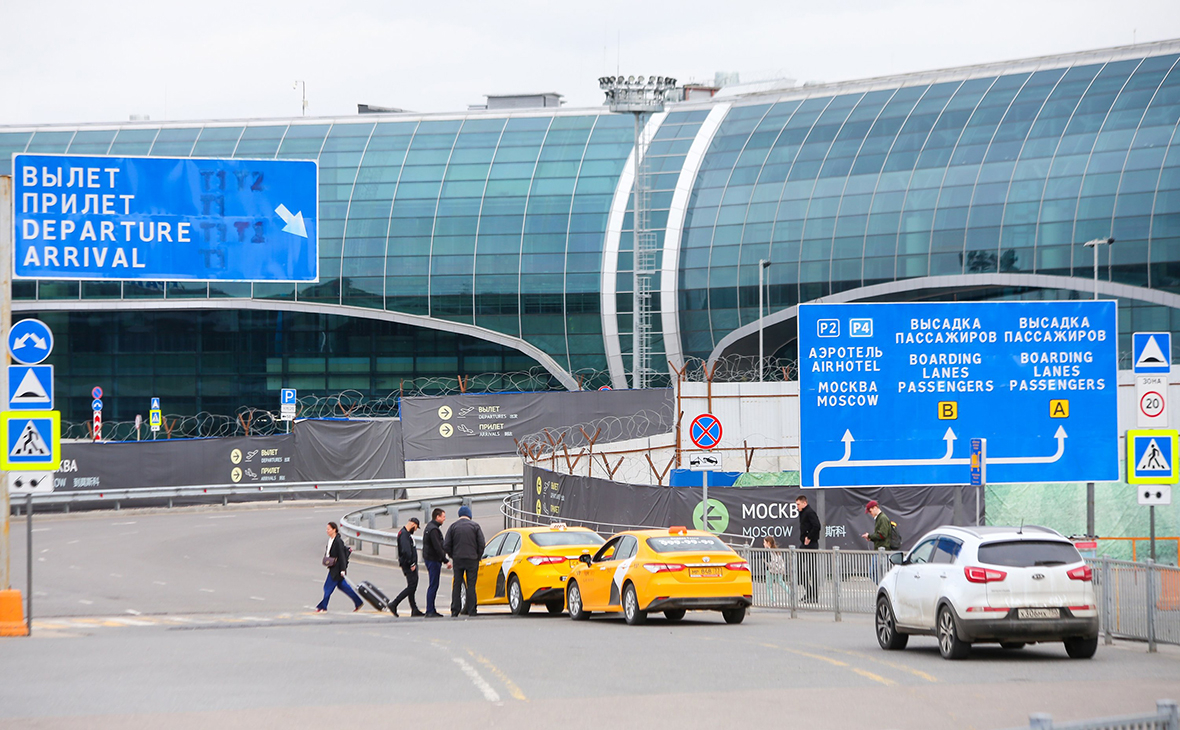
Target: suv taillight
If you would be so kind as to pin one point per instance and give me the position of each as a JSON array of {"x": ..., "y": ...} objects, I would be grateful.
[
  {"x": 1084, "y": 572},
  {"x": 546, "y": 559},
  {"x": 984, "y": 575}
]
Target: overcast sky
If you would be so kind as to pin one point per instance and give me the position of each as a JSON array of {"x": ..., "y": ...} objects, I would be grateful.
[{"x": 98, "y": 61}]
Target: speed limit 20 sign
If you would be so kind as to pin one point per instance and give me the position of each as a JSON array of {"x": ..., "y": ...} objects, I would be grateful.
[{"x": 1151, "y": 392}]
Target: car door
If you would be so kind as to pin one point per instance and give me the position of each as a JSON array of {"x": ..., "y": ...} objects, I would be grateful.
[
  {"x": 489, "y": 568},
  {"x": 624, "y": 556},
  {"x": 907, "y": 586},
  {"x": 935, "y": 574},
  {"x": 596, "y": 579},
  {"x": 507, "y": 558}
]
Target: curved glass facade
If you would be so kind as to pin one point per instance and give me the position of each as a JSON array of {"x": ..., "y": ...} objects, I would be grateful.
[{"x": 497, "y": 223}]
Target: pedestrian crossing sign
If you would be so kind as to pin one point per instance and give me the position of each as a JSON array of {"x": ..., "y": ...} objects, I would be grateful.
[
  {"x": 1152, "y": 456},
  {"x": 30, "y": 439}
]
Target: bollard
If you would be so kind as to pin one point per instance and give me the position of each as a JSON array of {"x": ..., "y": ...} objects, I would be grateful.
[
  {"x": 793, "y": 580},
  {"x": 836, "y": 580},
  {"x": 169, "y": 503},
  {"x": 116, "y": 505},
  {"x": 225, "y": 500},
  {"x": 1040, "y": 721},
  {"x": 371, "y": 518},
  {"x": 336, "y": 496},
  {"x": 1151, "y": 599},
  {"x": 280, "y": 497}
]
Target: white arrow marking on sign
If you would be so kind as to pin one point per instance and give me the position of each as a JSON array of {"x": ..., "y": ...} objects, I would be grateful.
[
  {"x": 294, "y": 221},
  {"x": 946, "y": 460},
  {"x": 37, "y": 341}
]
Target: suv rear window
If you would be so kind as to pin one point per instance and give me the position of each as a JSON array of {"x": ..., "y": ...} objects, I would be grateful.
[
  {"x": 562, "y": 539},
  {"x": 686, "y": 544},
  {"x": 1028, "y": 553}
]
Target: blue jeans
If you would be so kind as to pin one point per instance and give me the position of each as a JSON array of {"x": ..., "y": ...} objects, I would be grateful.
[
  {"x": 332, "y": 584},
  {"x": 434, "y": 570}
]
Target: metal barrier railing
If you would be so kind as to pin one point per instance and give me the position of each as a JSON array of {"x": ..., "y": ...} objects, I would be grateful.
[
  {"x": 360, "y": 526},
  {"x": 1138, "y": 601},
  {"x": 1166, "y": 717},
  {"x": 274, "y": 490}
]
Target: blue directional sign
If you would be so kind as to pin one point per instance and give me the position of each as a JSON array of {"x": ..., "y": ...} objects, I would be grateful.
[
  {"x": 155, "y": 404},
  {"x": 160, "y": 218},
  {"x": 1152, "y": 455},
  {"x": 30, "y": 439},
  {"x": 287, "y": 397},
  {"x": 30, "y": 341},
  {"x": 1151, "y": 352},
  {"x": 30, "y": 387},
  {"x": 96, "y": 406},
  {"x": 895, "y": 398}
]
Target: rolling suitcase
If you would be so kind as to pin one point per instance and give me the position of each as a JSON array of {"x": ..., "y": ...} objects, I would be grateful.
[{"x": 373, "y": 595}]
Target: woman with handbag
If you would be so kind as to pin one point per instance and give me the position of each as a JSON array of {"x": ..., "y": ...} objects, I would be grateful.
[{"x": 336, "y": 561}]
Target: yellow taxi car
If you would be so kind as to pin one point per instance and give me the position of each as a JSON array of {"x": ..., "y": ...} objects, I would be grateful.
[
  {"x": 672, "y": 570},
  {"x": 526, "y": 565}
]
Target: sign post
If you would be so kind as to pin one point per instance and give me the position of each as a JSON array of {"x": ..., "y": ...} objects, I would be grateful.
[
  {"x": 887, "y": 389},
  {"x": 978, "y": 472},
  {"x": 705, "y": 432},
  {"x": 1152, "y": 456}
]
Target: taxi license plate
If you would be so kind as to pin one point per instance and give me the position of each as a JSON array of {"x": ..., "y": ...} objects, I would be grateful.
[
  {"x": 1038, "y": 613},
  {"x": 704, "y": 572}
]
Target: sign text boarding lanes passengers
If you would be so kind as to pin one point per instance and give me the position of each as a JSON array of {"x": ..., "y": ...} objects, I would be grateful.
[
  {"x": 159, "y": 218},
  {"x": 891, "y": 394}
]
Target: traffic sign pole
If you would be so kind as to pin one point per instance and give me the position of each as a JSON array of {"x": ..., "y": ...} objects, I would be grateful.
[{"x": 5, "y": 326}]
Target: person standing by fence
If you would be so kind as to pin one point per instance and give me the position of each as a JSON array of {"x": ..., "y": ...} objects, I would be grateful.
[
  {"x": 880, "y": 535},
  {"x": 465, "y": 544},
  {"x": 434, "y": 556},
  {"x": 776, "y": 568},
  {"x": 809, "y": 541},
  {"x": 336, "y": 561}
]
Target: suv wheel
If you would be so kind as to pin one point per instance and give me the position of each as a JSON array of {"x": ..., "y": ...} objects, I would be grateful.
[
  {"x": 1081, "y": 647},
  {"x": 949, "y": 643},
  {"x": 888, "y": 636}
]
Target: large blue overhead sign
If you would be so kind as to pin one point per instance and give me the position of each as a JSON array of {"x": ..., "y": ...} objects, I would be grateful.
[
  {"x": 892, "y": 394},
  {"x": 158, "y": 218}
]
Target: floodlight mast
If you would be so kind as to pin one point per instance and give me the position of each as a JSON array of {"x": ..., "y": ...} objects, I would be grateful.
[{"x": 640, "y": 97}]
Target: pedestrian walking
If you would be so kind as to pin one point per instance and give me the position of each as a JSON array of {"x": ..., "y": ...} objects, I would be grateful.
[
  {"x": 336, "y": 561},
  {"x": 434, "y": 555},
  {"x": 808, "y": 540},
  {"x": 464, "y": 543},
  {"x": 407, "y": 558},
  {"x": 776, "y": 568},
  {"x": 881, "y": 534}
]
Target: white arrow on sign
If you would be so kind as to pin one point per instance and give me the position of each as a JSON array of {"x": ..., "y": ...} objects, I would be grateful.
[
  {"x": 294, "y": 221},
  {"x": 37, "y": 341},
  {"x": 945, "y": 460}
]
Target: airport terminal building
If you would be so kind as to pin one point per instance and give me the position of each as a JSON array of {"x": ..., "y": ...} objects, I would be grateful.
[{"x": 498, "y": 239}]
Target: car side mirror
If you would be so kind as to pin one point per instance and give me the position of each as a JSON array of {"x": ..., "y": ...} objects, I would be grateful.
[
  {"x": 585, "y": 558},
  {"x": 897, "y": 558}
]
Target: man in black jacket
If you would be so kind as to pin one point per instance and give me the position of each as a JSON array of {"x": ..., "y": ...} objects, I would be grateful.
[
  {"x": 808, "y": 540},
  {"x": 434, "y": 555},
  {"x": 407, "y": 558},
  {"x": 465, "y": 544}
]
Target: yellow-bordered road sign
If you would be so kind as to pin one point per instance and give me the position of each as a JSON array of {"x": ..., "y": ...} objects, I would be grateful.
[
  {"x": 30, "y": 440},
  {"x": 1152, "y": 454}
]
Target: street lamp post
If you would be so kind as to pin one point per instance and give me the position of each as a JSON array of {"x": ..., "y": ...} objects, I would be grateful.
[
  {"x": 1090, "y": 507},
  {"x": 1094, "y": 245},
  {"x": 762, "y": 264},
  {"x": 641, "y": 97}
]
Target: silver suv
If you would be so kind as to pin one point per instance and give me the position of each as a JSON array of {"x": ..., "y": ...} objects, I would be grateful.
[{"x": 1009, "y": 585}]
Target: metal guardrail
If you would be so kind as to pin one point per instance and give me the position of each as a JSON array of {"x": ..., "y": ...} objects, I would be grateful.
[
  {"x": 1166, "y": 717},
  {"x": 277, "y": 490},
  {"x": 359, "y": 526},
  {"x": 1138, "y": 601}
]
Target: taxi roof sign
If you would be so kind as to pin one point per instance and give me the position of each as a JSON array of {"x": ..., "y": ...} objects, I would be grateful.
[{"x": 1152, "y": 456}]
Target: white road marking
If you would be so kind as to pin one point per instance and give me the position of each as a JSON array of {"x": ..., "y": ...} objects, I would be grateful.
[
  {"x": 84, "y": 602},
  {"x": 207, "y": 590},
  {"x": 480, "y": 683},
  {"x": 45, "y": 551},
  {"x": 159, "y": 583},
  {"x": 73, "y": 542},
  {"x": 257, "y": 598},
  {"x": 120, "y": 524},
  {"x": 116, "y": 575},
  {"x": 42, "y": 529},
  {"x": 133, "y": 612},
  {"x": 221, "y": 517}
]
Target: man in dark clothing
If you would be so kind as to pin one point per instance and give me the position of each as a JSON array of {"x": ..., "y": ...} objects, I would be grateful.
[
  {"x": 465, "y": 544},
  {"x": 808, "y": 540},
  {"x": 434, "y": 555},
  {"x": 407, "y": 558}
]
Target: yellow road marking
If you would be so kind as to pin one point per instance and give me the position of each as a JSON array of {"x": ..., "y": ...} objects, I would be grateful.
[
  {"x": 809, "y": 655},
  {"x": 511, "y": 686},
  {"x": 893, "y": 665},
  {"x": 874, "y": 677}
]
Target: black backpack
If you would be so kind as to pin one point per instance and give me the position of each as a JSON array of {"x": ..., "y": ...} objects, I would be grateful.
[{"x": 894, "y": 536}]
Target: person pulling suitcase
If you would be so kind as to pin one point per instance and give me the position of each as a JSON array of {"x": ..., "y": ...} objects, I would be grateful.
[
  {"x": 407, "y": 558},
  {"x": 336, "y": 561}
]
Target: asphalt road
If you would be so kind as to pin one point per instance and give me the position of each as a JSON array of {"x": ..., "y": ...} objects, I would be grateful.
[{"x": 196, "y": 659}]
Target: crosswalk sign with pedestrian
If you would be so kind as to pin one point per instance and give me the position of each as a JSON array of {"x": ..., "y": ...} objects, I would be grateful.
[
  {"x": 1152, "y": 456},
  {"x": 30, "y": 439}
]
